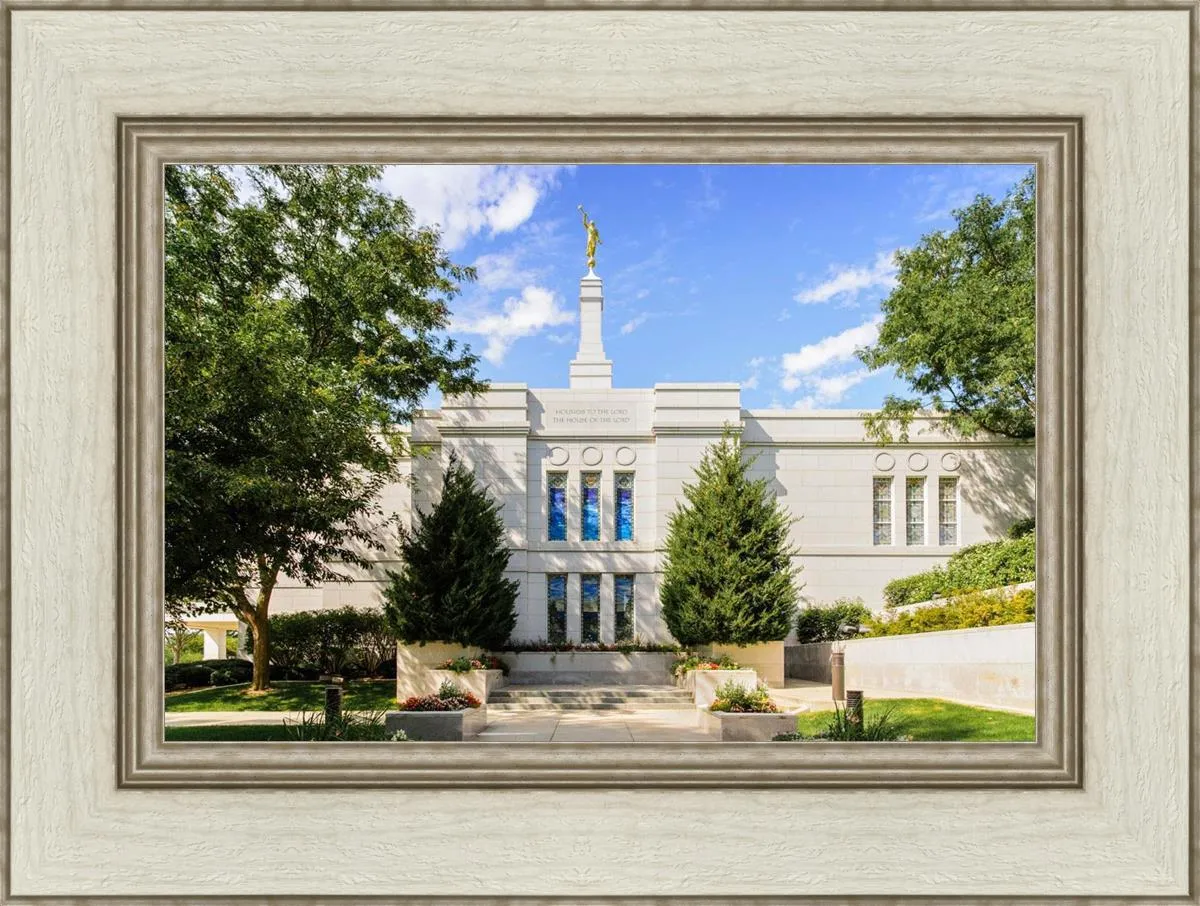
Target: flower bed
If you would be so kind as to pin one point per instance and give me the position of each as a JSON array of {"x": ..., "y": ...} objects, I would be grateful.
[
  {"x": 450, "y": 715},
  {"x": 704, "y": 682},
  {"x": 690, "y": 662},
  {"x": 745, "y": 715},
  {"x": 623, "y": 647},
  {"x": 466, "y": 664},
  {"x": 740, "y": 700}
]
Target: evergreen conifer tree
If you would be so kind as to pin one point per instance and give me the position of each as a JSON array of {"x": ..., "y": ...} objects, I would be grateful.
[
  {"x": 728, "y": 576},
  {"x": 451, "y": 587}
]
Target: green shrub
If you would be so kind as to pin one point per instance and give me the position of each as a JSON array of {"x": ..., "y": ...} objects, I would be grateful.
[
  {"x": 349, "y": 726},
  {"x": 1022, "y": 527},
  {"x": 734, "y": 698},
  {"x": 831, "y": 622},
  {"x": 728, "y": 574},
  {"x": 993, "y": 564},
  {"x": 348, "y": 641},
  {"x": 452, "y": 585},
  {"x": 201, "y": 673},
  {"x": 962, "y": 612}
]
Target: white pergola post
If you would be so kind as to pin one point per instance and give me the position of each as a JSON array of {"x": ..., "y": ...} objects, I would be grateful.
[{"x": 214, "y": 643}]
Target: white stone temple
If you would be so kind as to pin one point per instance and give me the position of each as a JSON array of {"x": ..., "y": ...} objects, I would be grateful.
[{"x": 588, "y": 475}]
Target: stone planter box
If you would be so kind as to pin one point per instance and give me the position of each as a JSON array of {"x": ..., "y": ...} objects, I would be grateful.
[
  {"x": 728, "y": 726},
  {"x": 765, "y": 658},
  {"x": 437, "y": 726},
  {"x": 415, "y": 663},
  {"x": 479, "y": 683},
  {"x": 601, "y": 668},
  {"x": 703, "y": 683}
]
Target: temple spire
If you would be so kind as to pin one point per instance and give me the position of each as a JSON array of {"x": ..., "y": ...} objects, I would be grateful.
[{"x": 590, "y": 370}]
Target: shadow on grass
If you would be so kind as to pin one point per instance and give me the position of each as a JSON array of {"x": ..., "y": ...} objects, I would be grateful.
[{"x": 366, "y": 695}]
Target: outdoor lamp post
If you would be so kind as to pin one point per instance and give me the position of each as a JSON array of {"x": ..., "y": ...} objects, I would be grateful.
[{"x": 837, "y": 670}]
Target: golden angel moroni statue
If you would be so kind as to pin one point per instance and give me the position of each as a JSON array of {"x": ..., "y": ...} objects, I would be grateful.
[{"x": 593, "y": 238}]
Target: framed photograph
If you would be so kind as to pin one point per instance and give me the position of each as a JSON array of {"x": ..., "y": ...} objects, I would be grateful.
[{"x": 654, "y": 452}]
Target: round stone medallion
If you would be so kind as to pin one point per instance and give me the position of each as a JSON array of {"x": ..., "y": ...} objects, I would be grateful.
[
  {"x": 950, "y": 462},
  {"x": 885, "y": 462},
  {"x": 917, "y": 462},
  {"x": 592, "y": 455},
  {"x": 559, "y": 456},
  {"x": 626, "y": 456}
]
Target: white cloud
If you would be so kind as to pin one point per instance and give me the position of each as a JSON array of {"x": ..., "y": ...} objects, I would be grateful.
[
  {"x": 849, "y": 282},
  {"x": 502, "y": 271},
  {"x": 465, "y": 200},
  {"x": 831, "y": 388},
  {"x": 535, "y": 310},
  {"x": 633, "y": 324},
  {"x": 800, "y": 366}
]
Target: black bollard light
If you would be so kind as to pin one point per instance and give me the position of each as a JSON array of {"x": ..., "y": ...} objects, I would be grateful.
[
  {"x": 854, "y": 706},
  {"x": 333, "y": 703}
]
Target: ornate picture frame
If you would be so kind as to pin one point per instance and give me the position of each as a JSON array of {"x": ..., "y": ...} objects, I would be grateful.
[{"x": 1098, "y": 806}]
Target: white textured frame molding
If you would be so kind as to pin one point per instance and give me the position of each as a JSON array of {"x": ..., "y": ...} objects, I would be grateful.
[
  {"x": 1120, "y": 829},
  {"x": 1052, "y": 145}
]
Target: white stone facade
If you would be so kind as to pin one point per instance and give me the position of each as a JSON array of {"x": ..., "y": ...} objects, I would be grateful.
[{"x": 820, "y": 465}]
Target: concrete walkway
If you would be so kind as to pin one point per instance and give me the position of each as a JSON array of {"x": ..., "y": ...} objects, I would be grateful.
[{"x": 649, "y": 725}]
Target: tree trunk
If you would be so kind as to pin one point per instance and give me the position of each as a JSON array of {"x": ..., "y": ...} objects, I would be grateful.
[{"x": 261, "y": 681}]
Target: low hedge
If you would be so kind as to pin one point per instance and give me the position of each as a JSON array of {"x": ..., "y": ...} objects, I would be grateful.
[
  {"x": 225, "y": 672},
  {"x": 993, "y": 564},
  {"x": 831, "y": 622},
  {"x": 963, "y": 612}
]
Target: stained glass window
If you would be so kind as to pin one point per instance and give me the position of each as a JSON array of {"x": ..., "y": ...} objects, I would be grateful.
[
  {"x": 590, "y": 506},
  {"x": 556, "y": 608},
  {"x": 556, "y": 525},
  {"x": 882, "y": 509},
  {"x": 624, "y": 507},
  {"x": 589, "y": 610},
  {"x": 915, "y": 509},
  {"x": 947, "y": 510},
  {"x": 623, "y": 607}
]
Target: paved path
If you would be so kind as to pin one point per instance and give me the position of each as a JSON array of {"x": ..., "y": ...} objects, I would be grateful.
[{"x": 650, "y": 725}]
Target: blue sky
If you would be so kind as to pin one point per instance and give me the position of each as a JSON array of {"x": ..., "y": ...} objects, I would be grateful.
[{"x": 766, "y": 275}]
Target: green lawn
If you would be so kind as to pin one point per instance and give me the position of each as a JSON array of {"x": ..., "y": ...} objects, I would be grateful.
[
  {"x": 935, "y": 720},
  {"x": 237, "y": 733},
  {"x": 367, "y": 695}
]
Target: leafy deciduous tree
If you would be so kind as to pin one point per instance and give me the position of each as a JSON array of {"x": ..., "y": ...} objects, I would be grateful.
[
  {"x": 305, "y": 319},
  {"x": 959, "y": 326}
]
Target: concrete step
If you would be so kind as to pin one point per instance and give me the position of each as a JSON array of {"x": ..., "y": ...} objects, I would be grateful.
[
  {"x": 546, "y": 707},
  {"x": 606, "y": 698}
]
